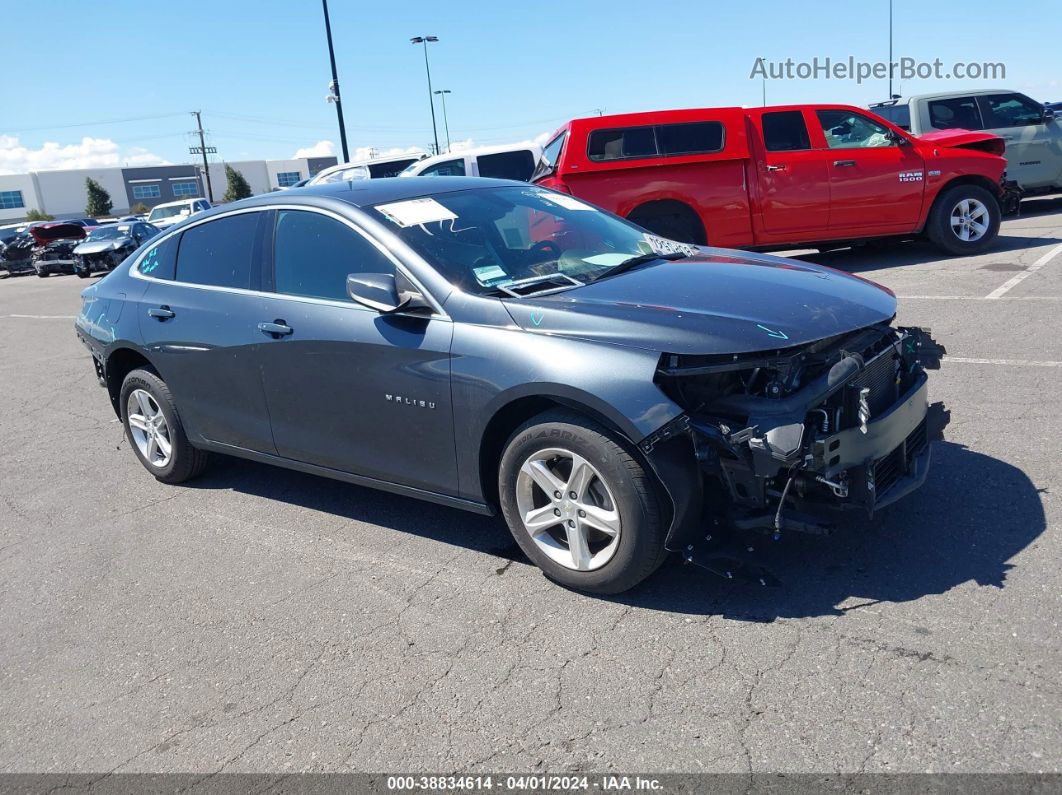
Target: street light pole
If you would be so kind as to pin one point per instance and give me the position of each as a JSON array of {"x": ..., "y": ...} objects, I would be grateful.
[
  {"x": 334, "y": 87},
  {"x": 431, "y": 99},
  {"x": 446, "y": 124},
  {"x": 890, "y": 49}
]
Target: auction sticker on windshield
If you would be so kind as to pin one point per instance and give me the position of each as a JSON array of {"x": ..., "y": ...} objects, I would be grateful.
[
  {"x": 414, "y": 212},
  {"x": 567, "y": 202}
]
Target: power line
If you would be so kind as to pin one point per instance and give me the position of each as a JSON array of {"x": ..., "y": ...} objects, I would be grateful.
[{"x": 95, "y": 123}]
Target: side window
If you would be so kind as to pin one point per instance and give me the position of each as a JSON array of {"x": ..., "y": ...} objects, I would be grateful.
[
  {"x": 1011, "y": 110},
  {"x": 957, "y": 112},
  {"x": 160, "y": 261},
  {"x": 219, "y": 252},
  {"x": 846, "y": 130},
  {"x": 448, "y": 168},
  {"x": 313, "y": 254},
  {"x": 606, "y": 145},
  {"x": 785, "y": 131},
  {"x": 692, "y": 138},
  {"x": 507, "y": 165}
]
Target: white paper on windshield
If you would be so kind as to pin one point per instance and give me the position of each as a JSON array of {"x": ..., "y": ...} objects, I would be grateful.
[
  {"x": 416, "y": 211},
  {"x": 608, "y": 259},
  {"x": 567, "y": 202},
  {"x": 661, "y": 245}
]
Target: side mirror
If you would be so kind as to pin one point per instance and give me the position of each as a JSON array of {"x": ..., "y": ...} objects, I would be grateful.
[
  {"x": 380, "y": 291},
  {"x": 896, "y": 138}
]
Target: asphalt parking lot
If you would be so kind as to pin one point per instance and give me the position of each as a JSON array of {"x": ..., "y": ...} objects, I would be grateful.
[{"x": 264, "y": 620}]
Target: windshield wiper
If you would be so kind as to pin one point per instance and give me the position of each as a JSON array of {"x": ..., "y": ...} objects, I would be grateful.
[{"x": 641, "y": 259}]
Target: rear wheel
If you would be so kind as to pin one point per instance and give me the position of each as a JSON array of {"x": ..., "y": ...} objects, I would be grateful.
[
  {"x": 671, "y": 219},
  {"x": 580, "y": 505},
  {"x": 155, "y": 431},
  {"x": 964, "y": 220}
]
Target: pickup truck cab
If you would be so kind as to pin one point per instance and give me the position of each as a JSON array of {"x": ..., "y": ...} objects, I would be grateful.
[
  {"x": 495, "y": 162},
  {"x": 777, "y": 177},
  {"x": 163, "y": 216},
  {"x": 1031, "y": 129}
]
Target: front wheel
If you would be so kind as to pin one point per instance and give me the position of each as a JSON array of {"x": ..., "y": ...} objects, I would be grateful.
[
  {"x": 580, "y": 505},
  {"x": 155, "y": 430},
  {"x": 964, "y": 220}
]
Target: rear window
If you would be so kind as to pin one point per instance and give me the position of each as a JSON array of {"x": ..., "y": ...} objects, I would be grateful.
[
  {"x": 219, "y": 253},
  {"x": 785, "y": 131},
  {"x": 660, "y": 140},
  {"x": 900, "y": 115},
  {"x": 507, "y": 165}
]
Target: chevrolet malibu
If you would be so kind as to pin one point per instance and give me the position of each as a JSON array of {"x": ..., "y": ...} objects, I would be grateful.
[{"x": 496, "y": 346}]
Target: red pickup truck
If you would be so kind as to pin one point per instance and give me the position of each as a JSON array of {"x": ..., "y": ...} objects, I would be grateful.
[{"x": 778, "y": 177}]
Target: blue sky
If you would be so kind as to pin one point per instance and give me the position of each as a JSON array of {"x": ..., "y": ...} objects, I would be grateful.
[{"x": 259, "y": 70}]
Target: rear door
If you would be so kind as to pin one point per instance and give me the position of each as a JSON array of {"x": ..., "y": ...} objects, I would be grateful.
[
  {"x": 198, "y": 319},
  {"x": 793, "y": 184},
  {"x": 1034, "y": 145},
  {"x": 347, "y": 387},
  {"x": 876, "y": 184}
]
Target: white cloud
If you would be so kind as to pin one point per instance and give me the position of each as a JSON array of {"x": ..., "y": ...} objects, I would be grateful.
[
  {"x": 319, "y": 149},
  {"x": 89, "y": 153}
]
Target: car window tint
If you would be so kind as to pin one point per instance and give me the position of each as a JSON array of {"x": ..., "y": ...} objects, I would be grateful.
[
  {"x": 1011, "y": 110},
  {"x": 961, "y": 112},
  {"x": 507, "y": 165},
  {"x": 313, "y": 254},
  {"x": 900, "y": 115},
  {"x": 448, "y": 168},
  {"x": 846, "y": 130},
  {"x": 620, "y": 144},
  {"x": 219, "y": 252},
  {"x": 692, "y": 138},
  {"x": 160, "y": 261},
  {"x": 785, "y": 131},
  {"x": 392, "y": 169}
]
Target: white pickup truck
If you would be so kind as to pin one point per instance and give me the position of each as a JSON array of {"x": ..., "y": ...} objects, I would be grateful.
[{"x": 1030, "y": 128}]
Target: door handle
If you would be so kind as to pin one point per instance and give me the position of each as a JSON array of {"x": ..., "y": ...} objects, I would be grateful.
[
  {"x": 276, "y": 329},
  {"x": 771, "y": 167},
  {"x": 161, "y": 312},
  {"x": 844, "y": 163}
]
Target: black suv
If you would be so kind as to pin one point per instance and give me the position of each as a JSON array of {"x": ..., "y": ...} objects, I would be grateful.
[{"x": 490, "y": 345}]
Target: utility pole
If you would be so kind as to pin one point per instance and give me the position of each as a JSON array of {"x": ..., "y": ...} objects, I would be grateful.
[
  {"x": 202, "y": 149},
  {"x": 334, "y": 87},
  {"x": 431, "y": 99},
  {"x": 890, "y": 49}
]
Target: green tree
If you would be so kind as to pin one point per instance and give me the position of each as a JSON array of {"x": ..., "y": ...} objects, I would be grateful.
[
  {"x": 238, "y": 187},
  {"x": 99, "y": 200},
  {"x": 37, "y": 215},
  {"x": 139, "y": 209}
]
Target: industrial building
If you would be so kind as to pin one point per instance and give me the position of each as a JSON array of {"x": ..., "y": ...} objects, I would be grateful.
[{"x": 62, "y": 193}]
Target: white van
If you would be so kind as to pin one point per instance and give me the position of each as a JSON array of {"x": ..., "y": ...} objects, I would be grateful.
[
  {"x": 500, "y": 162},
  {"x": 165, "y": 215},
  {"x": 376, "y": 168}
]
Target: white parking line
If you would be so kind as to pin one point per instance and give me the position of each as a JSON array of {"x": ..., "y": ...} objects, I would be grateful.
[
  {"x": 976, "y": 298},
  {"x": 42, "y": 317},
  {"x": 1010, "y": 362},
  {"x": 1010, "y": 283}
]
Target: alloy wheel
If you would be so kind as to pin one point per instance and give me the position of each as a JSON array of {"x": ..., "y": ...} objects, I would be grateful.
[
  {"x": 568, "y": 509},
  {"x": 147, "y": 426},
  {"x": 969, "y": 220}
]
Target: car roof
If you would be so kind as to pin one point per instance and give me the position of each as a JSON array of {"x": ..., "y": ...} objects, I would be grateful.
[
  {"x": 179, "y": 201},
  {"x": 364, "y": 192},
  {"x": 949, "y": 94}
]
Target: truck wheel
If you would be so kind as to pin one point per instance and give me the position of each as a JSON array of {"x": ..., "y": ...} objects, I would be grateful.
[
  {"x": 155, "y": 431},
  {"x": 671, "y": 219},
  {"x": 579, "y": 505},
  {"x": 964, "y": 220}
]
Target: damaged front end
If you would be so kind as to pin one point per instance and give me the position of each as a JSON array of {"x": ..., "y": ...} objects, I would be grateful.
[{"x": 786, "y": 440}]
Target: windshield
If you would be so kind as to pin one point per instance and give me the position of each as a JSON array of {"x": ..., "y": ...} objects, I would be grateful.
[
  {"x": 109, "y": 233},
  {"x": 167, "y": 212},
  {"x": 485, "y": 240}
]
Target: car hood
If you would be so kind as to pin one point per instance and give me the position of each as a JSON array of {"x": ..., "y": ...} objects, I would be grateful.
[
  {"x": 965, "y": 139},
  {"x": 718, "y": 302},
  {"x": 49, "y": 232},
  {"x": 99, "y": 246}
]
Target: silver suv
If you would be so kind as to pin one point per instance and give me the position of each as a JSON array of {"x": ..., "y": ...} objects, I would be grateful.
[{"x": 1030, "y": 128}]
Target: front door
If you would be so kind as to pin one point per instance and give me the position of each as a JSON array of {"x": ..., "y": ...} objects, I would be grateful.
[
  {"x": 793, "y": 182},
  {"x": 347, "y": 387},
  {"x": 198, "y": 324},
  {"x": 1034, "y": 144},
  {"x": 876, "y": 185}
]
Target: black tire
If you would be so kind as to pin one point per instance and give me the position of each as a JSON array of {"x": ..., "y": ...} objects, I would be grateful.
[
  {"x": 678, "y": 222},
  {"x": 186, "y": 461},
  {"x": 83, "y": 274},
  {"x": 43, "y": 274},
  {"x": 939, "y": 229},
  {"x": 640, "y": 547}
]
